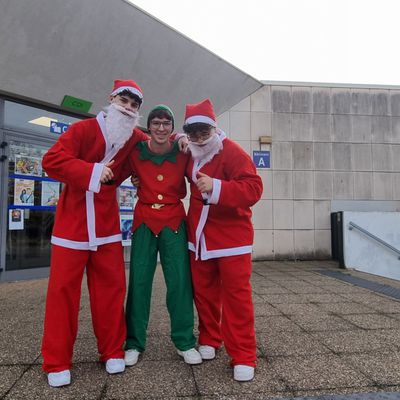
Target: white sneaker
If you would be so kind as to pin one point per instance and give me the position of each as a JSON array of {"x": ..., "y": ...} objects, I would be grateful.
[
  {"x": 191, "y": 356},
  {"x": 131, "y": 357},
  {"x": 115, "y": 365},
  {"x": 243, "y": 373},
  {"x": 57, "y": 379},
  {"x": 207, "y": 352}
]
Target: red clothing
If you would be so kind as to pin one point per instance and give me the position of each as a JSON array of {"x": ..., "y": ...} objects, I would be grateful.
[
  {"x": 224, "y": 227},
  {"x": 221, "y": 238},
  {"x": 105, "y": 271},
  {"x": 160, "y": 184},
  {"x": 87, "y": 213},
  {"x": 222, "y": 294}
]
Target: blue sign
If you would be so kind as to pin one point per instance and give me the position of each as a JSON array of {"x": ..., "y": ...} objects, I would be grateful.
[
  {"x": 58, "y": 127},
  {"x": 261, "y": 158}
]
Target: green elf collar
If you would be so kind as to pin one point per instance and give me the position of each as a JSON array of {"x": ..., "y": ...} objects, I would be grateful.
[{"x": 146, "y": 154}]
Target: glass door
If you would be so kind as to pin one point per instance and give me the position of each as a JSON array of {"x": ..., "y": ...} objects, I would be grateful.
[
  {"x": 28, "y": 197},
  {"x": 31, "y": 200}
]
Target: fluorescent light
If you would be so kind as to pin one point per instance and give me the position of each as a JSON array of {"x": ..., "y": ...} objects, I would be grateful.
[{"x": 43, "y": 121}]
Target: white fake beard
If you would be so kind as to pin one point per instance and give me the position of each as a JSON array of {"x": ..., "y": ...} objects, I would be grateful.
[
  {"x": 205, "y": 151},
  {"x": 119, "y": 124}
]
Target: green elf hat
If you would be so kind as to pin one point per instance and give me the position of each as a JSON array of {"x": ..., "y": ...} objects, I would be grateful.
[{"x": 161, "y": 107}]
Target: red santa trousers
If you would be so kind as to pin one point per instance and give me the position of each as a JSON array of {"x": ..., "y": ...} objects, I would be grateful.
[
  {"x": 222, "y": 294},
  {"x": 105, "y": 272}
]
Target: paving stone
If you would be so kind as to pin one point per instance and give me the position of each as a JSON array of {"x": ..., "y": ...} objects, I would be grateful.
[
  {"x": 275, "y": 324},
  {"x": 263, "y": 309},
  {"x": 158, "y": 378},
  {"x": 322, "y": 322},
  {"x": 289, "y": 344},
  {"x": 382, "y": 367},
  {"x": 9, "y": 375},
  {"x": 296, "y": 309},
  {"x": 87, "y": 382},
  {"x": 357, "y": 341},
  {"x": 373, "y": 321},
  {"x": 216, "y": 377},
  {"x": 317, "y": 372},
  {"x": 345, "y": 308},
  {"x": 365, "y": 393}
]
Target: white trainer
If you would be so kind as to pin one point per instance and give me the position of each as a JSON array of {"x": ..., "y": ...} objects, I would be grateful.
[
  {"x": 57, "y": 379},
  {"x": 115, "y": 365},
  {"x": 207, "y": 352},
  {"x": 191, "y": 356},
  {"x": 131, "y": 357},
  {"x": 243, "y": 373}
]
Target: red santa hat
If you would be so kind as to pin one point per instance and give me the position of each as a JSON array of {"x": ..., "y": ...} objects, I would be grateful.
[
  {"x": 200, "y": 112},
  {"x": 121, "y": 85}
]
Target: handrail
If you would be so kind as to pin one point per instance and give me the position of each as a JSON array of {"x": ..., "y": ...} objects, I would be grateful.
[{"x": 372, "y": 236}]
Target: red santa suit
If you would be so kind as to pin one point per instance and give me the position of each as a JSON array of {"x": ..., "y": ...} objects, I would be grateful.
[
  {"x": 220, "y": 240},
  {"x": 87, "y": 234}
]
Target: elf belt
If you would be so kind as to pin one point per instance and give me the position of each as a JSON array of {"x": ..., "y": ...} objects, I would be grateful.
[{"x": 157, "y": 206}]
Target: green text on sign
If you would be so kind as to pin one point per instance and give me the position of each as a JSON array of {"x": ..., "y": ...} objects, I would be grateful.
[{"x": 76, "y": 104}]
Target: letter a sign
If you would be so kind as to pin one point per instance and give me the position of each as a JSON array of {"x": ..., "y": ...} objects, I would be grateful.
[{"x": 261, "y": 159}]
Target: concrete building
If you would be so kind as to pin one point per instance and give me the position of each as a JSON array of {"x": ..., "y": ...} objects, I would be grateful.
[
  {"x": 334, "y": 148},
  {"x": 331, "y": 147}
]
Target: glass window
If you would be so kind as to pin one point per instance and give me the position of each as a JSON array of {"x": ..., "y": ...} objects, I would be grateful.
[{"x": 26, "y": 118}]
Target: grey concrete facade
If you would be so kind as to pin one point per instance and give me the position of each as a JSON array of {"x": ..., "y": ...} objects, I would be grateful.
[{"x": 332, "y": 147}]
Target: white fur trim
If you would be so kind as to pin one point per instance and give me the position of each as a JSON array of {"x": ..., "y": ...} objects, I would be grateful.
[
  {"x": 201, "y": 118},
  {"x": 72, "y": 244},
  {"x": 191, "y": 247},
  {"x": 214, "y": 198},
  {"x": 91, "y": 218},
  {"x": 94, "y": 184},
  {"x": 233, "y": 251},
  {"x": 130, "y": 88}
]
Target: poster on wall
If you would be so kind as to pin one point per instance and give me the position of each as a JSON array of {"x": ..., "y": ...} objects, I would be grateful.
[
  {"x": 15, "y": 219},
  {"x": 127, "y": 198},
  {"x": 126, "y": 229},
  {"x": 25, "y": 165},
  {"x": 50, "y": 193},
  {"x": 24, "y": 192}
]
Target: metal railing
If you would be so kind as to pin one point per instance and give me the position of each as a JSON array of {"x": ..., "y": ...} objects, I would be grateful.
[{"x": 372, "y": 236}]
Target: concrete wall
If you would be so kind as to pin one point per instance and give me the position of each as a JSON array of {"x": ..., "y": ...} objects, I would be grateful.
[{"x": 330, "y": 145}]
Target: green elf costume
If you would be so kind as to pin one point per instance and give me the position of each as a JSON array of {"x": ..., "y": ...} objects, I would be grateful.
[{"x": 160, "y": 227}]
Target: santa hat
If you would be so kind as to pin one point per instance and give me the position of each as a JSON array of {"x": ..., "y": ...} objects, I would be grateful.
[
  {"x": 132, "y": 86},
  {"x": 200, "y": 112}
]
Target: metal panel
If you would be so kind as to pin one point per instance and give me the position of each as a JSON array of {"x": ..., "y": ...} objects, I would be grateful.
[{"x": 52, "y": 48}]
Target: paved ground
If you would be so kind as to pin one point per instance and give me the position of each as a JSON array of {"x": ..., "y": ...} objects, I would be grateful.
[{"x": 317, "y": 336}]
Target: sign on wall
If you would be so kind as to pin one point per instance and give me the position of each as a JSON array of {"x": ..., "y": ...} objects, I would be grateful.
[
  {"x": 261, "y": 158},
  {"x": 58, "y": 127}
]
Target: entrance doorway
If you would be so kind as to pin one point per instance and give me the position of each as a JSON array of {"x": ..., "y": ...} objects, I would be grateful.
[{"x": 28, "y": 196}]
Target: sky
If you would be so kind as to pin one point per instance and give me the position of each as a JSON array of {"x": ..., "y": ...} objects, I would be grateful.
[{"x": 333, "y": 41}]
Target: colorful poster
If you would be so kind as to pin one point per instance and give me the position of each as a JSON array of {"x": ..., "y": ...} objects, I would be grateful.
[
  {"x": 25, "y": 165},
  {"x": 24, "y": 192},
  {"x": 127, "y": 198},
  {"x": 126, "y": 229},
  {"x": 15, "y": 219},
  {"x": 50, "y": 193}
]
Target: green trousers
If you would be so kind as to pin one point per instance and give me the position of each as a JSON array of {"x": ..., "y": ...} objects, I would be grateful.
[{"x": 174, "y": 257}]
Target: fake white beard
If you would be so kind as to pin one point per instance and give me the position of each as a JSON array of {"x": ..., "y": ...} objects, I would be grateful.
[
  {"x": 119, "y": 124},
  {"x": 205, "y": 151}
]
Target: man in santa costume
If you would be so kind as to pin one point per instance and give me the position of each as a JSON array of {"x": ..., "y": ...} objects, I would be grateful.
[
  {"x": 224, "y": 185},
  {"x": 87, "y": 235},
  {"x": 159, "y": 227}
]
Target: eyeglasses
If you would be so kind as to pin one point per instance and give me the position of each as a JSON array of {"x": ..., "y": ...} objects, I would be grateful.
[
  {"x": 196, "y": 136},
  {"x": 157, "y": 124}
]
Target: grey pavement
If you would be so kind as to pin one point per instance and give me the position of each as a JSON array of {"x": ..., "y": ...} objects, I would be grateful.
[{"x": 317, "y": 338}]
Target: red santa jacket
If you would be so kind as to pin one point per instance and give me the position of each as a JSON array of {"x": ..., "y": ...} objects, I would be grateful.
[
  {"x": 162, "y": 186},
  {"x": 219, "y": 224},
  {"x": 87, "y": 214}
]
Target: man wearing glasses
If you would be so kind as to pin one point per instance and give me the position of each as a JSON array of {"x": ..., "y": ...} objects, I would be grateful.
[
  {"x": 159, "y": 227},
  {"x": 224, "y": 185}
]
